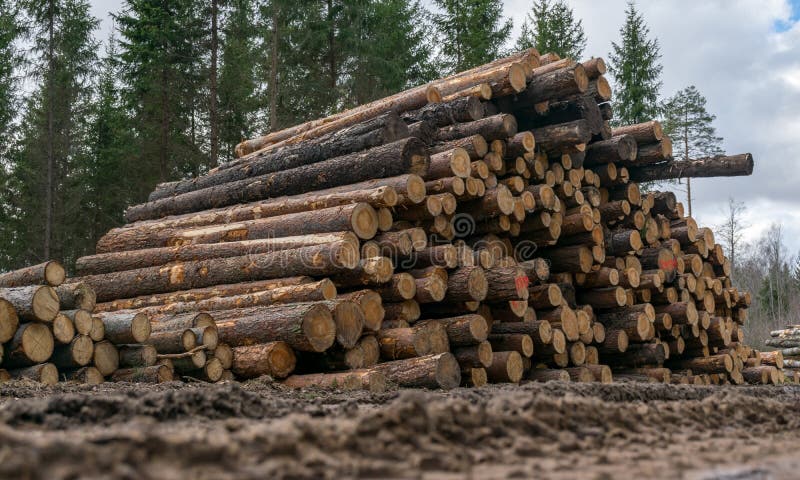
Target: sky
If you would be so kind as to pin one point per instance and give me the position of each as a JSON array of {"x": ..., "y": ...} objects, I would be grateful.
[{"x": 744, "y": 56}]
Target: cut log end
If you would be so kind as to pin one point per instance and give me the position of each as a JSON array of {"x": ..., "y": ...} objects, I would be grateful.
[
  {"x": 37, "y": 343},
  {"x": 364, "y": 221},
  {"x": 319, "y": 328},
  {"x": 448, "y": 372},
  {"x": 45, "y": 304}
]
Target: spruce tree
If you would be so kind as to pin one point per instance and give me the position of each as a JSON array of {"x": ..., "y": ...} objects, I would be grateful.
[
  {"x": 11, "y": 58},
  {"x": 550, "y": 26},
  {"x": 392, "y": 51},
  {"x": 690, "y": 126},
  {"x": 238, "y": 87},
  {"x": 46, "y": 196},
  {"x": 471, "y": 32},
  {"x": 634, "y": 64}
]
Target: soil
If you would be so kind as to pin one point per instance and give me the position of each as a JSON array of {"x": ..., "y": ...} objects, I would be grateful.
[{"x": 260, "y": 430}]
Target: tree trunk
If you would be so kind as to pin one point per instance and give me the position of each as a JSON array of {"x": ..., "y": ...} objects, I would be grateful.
[{"x": 124, "y": 327}]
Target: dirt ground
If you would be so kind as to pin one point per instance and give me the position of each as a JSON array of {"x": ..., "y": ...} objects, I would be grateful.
[{"x": 260, "y": 430}]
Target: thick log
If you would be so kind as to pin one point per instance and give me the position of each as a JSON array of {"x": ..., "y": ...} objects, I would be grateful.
[
  {"x": 74, "y": 296},
  {"x": 379, "y": 131},
  {"x": 133, "y": 356},
  {"x": 467, "y": 284},
  {"x": 276, "y": 359},
  {"x": 721, "y": 166},
  {"x": 722, "y": 363},
  {"x": 474, "y": 145},
  {"x": 122, "y": 327},
  {"x": 318, "y": 260},
  {"x": 455, "y": 162},
  {"x": 647, "y": 132},
  {"x": 369, "y": 271},
  {"x": 360, "y": 218},
  {"x": 616, "y": 149},
  {"x": 548, "y": 374},
  {"x": 516, "y": 342},
  {"x": 496, "y": 127},
  {"x": 45, "y": 373},
  {"x": 464, "y": 109},
  {"x": 506, "y": 283},
  {"x": 423, "y": 338},
  {"x": 9, "y": 321},
  {"x": 577, "y": 259},
  {"x": 32, "y": 344},
  {"x": 106, "y": 357},
  {"x": 63, "y": 329},
  {"x": 35, "y": 303},
  {"x": 465, "y": 330},
  {"x": 431, "y": 371},
  {"x": 76, "y": 354},
  {"x": 408, "y": 310},
  {"x": 152, "y": 374},
  {"x": 50, "y": 273},
  {"x": 397, "y": 158},
  {"x": 174, "y": 341},
  {"x": 506, "y": 367},
  {"x": 474, "y": 356},
  {"x": 200, "y": 294},
  {"x": 86, "y": 375},
  {"x": 563, "y": 136},
  {"x": 306, "y": 327},
  {"x": 349, "y": 318}
]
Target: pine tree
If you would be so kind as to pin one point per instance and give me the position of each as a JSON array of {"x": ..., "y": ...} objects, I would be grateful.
[
  {"x": 472, "y": 32},
  {"x": 635, "y": 66},
  {"x": 108, "y": 166},
  {"x": 11, "y": 58},
  {"x": 550, "y": 26},
  {"x": 238, "y": 87},
  {"x": 45, "y": 195},
  {"x": 689, "y": 125},
  {"x": 391, "y": 52},
  {"x": 162, "y": 50}
]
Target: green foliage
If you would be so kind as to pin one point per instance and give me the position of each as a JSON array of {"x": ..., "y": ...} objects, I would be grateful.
[
  {"x": 689, "y": 125},
  {"x": 472, "y": 32},
  {"x": 160, "y": 50},
  {"x": 238, "y": 86},
  {"x": 63, "y": 59},
  {"x": 550, "y": 26},
  {"x": 634, "y": 64}
]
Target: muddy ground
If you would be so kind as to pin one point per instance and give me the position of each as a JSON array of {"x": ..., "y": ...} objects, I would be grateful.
[{"x": 259, "y": 430}]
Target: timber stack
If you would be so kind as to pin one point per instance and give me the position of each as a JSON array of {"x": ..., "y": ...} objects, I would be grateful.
[{"x": 486, "y": 227}]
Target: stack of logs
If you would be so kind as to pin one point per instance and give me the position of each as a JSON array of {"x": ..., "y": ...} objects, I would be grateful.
[
  {"x": 48, "y": 333},
  {"x": 786, "y": 357},
  {"x": 481, "y": 228}
]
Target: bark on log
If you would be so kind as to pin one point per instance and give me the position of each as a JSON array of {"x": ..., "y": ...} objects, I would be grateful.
[
  {"x": 319, "y": 260},
  {"x": 32, "y": 344},
  {"x": 474, "y": 356},
  {"x": 50, "y": 273},
  {"x": 363, "y": 379},
  {"x": 562, "y": 137},
  {"x": 63, "y": 329},
  {"x": 45, "y": 373},
  {"x": 506, "y": 367},
  {"x": 647, "y": 132},
  {"x": 359, "y": 218},
  {"x": 76, "y": 354},
  {"x": 74, "y": 296},
  {"x": 200, "y": 294},
  {"x": 431, "y": 371},
  {"x": 397, "y": 158},
  {"x": 137, "y": 356},
  {"x": 464, "y": 109},
  {"x": 122, "y": 327},
  {"x": 722, "y": 166},
  {"x": 34, "y": 303},
  {"x": 306, "y": 327},
  {"x": 276, "y": 359},
  {"x": 496, "y": 127},
  {"x": 379, "y": 131},
  {"x": 9, "y": 321},
  {"x": 86, "y": 375}
]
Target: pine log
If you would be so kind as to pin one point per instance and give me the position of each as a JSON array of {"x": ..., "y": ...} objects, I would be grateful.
[
  {"x": 496, "y": 127},
  {"x": 464, "y": 109},
  {"x": 9, "y": 321},
  {"x": 63, "y": 329},
  {"x": 379, "y": 131},
  {"x": 121, "y": 327},
  {"x": 74, "y": 296},
  {"x": 200, "y": 294},
  {"x": 474, "y": 145},
  {"x": 106, "y": 357},
  {"x": 35, "y": 303},
  {"x": 465, "y": 329},
  {"x": 45, "y": 373},
  {"x": 422, "y": 339},
  {"x": 430, "y": 371},
  {"x": 722, "y": 363},
  {"x": 620, "y": 148},
  {"x": 133, "y": 356},
  {"x": 517, "y": 342},
  {"x": 32, "y": 344},
  {"x": 306, "y": 327},
  {"x": 86, "y": 375},
  {"x": 275, "y": 359},
  {"x": 50, "y": 273},
  {"x": 369, "y": 271},
  {"x": 721, "y": 166},
  {"x": 547, "y": 375},
  {"x": 562, "y": 137},
  {"x": 467, "y": 284},
  {"x": 76, "y": 354},
  {"x": 360, "y": 218},
  {"x": 317, "y": 260},
  {"x": 397, "y": 158},
  {"x": 474, "y": 356},
  {"x": 505, "y": 367}
]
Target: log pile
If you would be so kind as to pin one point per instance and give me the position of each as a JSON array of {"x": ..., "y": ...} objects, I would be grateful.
[
  {"x": 482, "y": 228},
  {"x": 48, "y": 333},
  {"x": 786, "y": 356}
]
